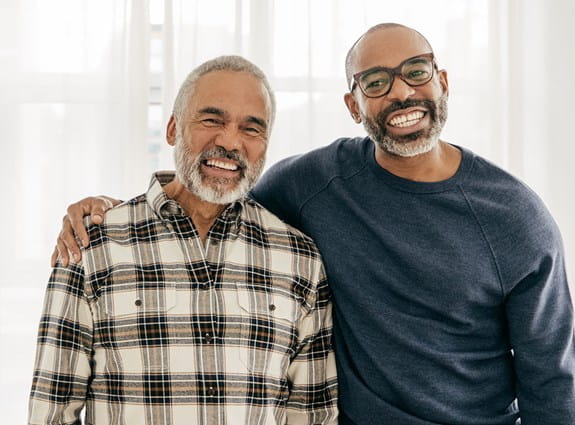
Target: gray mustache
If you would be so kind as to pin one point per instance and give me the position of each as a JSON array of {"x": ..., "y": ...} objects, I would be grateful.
[{"x": 219, "y": 152}]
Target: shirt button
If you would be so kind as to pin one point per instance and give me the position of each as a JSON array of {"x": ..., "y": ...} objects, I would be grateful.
[
  {"x": 208, "y": 338},
  {"x": 272, "y": 307},
  {"x": 211, "y": 392},
  {"x": 204, "y": 286},
  {"x": 138, "y": 302}
]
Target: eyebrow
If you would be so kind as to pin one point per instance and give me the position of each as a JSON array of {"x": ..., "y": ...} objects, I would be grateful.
[
  {"x": 213, "y": 111},
  {"x": 257, "y": 121},
  {"x": 221, "y": 113}
]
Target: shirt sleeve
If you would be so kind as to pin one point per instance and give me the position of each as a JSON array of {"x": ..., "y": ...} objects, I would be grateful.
[
  {"x": 312, "y": 372},
  {"x": 62, "y": 369},
  {"x": 540, "y": 320}
]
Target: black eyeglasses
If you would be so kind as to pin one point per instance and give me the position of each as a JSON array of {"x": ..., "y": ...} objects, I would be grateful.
[{"x": 377, "y": 81}]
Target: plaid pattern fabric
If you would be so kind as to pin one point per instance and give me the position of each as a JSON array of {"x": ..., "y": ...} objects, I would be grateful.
[{"x": 156, "y": 327}]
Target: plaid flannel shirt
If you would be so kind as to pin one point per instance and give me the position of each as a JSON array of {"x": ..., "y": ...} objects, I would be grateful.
[{"x": 154, "y": 327}]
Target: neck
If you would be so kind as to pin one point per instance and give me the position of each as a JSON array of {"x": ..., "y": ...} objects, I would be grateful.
[
  {"x": 202, "y": 213},
  {"x": 438, "y": 164}
]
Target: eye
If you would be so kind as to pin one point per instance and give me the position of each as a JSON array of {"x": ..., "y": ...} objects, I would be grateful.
[
  {"x": 418, "y": 74},
  {"x": 376, "y": 83},
  {"x": 252, "y": 131},
  {"x": 212, "y": 122}
]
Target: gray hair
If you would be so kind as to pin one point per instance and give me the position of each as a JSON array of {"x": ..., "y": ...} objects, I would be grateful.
[
  {"x": 221, "y": 63},
  {"x": 350, "y": 57}
]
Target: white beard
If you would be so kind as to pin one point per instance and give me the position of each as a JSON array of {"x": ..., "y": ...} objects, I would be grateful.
[
  {"x": 215, "y": 191},
  {"x": 408, "y": 149}
]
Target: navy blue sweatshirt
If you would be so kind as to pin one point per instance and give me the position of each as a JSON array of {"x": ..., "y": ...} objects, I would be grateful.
[{"x": 451, "y": 300}]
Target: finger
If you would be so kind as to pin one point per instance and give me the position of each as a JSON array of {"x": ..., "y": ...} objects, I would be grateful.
[
  {"x": 62, "y": 253},
  {"x": 74, "y": 222},
  {"x": 67, "y": 240},
  {"x": 99, "y": 208},
  {"x": 54, "y": 257}
]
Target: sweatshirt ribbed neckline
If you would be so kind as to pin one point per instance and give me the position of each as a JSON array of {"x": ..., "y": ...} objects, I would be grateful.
[{"x": 400, "y": 183}]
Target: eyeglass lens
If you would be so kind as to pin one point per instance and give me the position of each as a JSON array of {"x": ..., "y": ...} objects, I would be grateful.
[{"x": 415, "y": 72}]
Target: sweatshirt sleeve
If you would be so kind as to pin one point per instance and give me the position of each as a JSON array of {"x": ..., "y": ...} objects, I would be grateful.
[{"x": 539, "y": 312}]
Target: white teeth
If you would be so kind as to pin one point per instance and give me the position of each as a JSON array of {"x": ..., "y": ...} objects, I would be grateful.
[
  {"x": 407, "y": 119},
  {"x": 221, "y": 164}
]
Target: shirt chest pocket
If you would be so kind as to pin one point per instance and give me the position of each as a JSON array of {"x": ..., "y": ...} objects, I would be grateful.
[
  {"x": 134, "y": 324},
  {"x": 268, "y": 333},
  {"x": 134, "y": 301}
]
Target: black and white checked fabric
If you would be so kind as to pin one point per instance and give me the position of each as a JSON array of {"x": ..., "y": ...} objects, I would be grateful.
[{"x": 155, "y": 327}]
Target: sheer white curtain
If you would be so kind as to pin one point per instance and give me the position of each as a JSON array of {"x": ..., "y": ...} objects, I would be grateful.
[
  {"x": 82, "y": 81},
  {"x": 528, "y": 102},
  {"x": 73, "y": 114}
]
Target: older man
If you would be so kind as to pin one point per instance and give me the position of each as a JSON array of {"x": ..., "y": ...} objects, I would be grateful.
[
  {"x": 451, "y": 301},
  {"x": 193, "y": 304}
]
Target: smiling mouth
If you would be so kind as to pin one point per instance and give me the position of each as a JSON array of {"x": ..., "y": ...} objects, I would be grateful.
[
  {"x": 222, "y": 165},
  {"x": 406, "y": 120}
]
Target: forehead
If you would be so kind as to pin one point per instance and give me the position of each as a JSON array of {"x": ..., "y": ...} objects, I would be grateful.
[
  {"x": 239, "y": 94},
  {"x": 388, "y": 47}
]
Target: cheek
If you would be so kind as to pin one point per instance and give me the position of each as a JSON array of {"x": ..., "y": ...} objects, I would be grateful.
[
  {"x": 436, "y": 89},
  {"x": 372, "y": 108},
  {"x": 255, "y": 150},
  {"x": 198, "y": 140},
  {"x": 372, "y": 105}
]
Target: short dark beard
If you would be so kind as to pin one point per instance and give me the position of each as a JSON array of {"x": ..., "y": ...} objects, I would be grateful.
[{"x": 400, "y": 145}]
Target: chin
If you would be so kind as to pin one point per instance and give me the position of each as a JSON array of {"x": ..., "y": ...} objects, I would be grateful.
[
  {"x": 406, "y": 149},
  {"x": 222, "y": 194}
]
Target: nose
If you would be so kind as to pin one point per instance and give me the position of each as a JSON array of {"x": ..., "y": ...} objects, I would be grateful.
[
  {"x": 229, "y": 139},
  {"x": 400, "y": 90}
]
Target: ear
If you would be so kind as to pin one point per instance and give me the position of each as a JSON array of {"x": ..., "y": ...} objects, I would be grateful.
[
  {"x": 443, "y": 81},
  {"x": 352, "y": 107},
  {"x": 171, "y": 131}
]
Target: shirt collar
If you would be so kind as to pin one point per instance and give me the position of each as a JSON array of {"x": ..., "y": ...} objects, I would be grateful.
[{"x": 165, "y": 207}]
